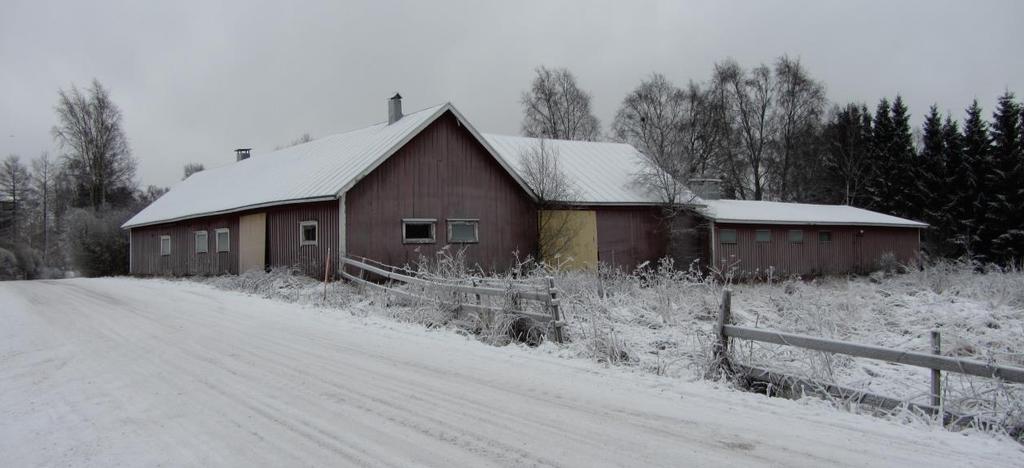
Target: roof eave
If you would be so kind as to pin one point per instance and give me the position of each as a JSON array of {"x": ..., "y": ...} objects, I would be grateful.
[{"x": 126, "y": 225}]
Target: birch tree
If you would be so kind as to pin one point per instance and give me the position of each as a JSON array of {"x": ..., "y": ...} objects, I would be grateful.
[
  {"x": 555, "y": 107},
  {"x": 89, "y": 129}
]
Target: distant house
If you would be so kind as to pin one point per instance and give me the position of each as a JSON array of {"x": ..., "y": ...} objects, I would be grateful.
[{"x": 403, "y": 189}]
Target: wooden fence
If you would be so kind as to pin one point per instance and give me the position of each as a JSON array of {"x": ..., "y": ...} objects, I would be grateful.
[
  {"x": 935, "y": 361},
  {"x": 467, "y": 295}
]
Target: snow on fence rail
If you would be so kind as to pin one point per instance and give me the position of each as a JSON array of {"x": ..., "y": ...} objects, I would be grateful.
[
  {"x": 546, "y": 295},
  {"x": 936, "y": 362}
]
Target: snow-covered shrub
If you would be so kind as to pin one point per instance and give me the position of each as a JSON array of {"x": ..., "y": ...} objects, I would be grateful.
[{"x": 8, "y": 265}]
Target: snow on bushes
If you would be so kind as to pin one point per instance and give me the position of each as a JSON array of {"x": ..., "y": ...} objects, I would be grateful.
[{"x": 659, "y": 319}]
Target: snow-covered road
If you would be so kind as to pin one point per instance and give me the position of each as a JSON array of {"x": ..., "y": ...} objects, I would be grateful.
[{"x": 107, "y": 372}]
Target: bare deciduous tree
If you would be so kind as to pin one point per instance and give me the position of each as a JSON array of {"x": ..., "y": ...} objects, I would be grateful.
[
  {"x": 801, "y": 105},
  {"x": 541, "y": 171},
  {"x": 98, "y": 155},
  {"x": 42, "y": 184},
  {"x": 555, "y": 107},
  {"x": 678, "y": 132},
  {"x": 192, "y": 168},
  {"x": 750, "y": 100}
]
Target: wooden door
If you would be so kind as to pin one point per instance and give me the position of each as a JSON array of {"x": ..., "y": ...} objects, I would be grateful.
[
  {"x": 571, "y": 235},
  {"x": 252, "y": 242}
]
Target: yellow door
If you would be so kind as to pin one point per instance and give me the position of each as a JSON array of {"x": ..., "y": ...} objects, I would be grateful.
[
  {"x": 569, "y": 238},
  {"x": 252, "y": 242}
]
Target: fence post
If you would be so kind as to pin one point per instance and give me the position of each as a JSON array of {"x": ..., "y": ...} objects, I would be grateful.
[
  {"x": 556, "y": 315},
  {"x": 327, "y": 271},
  {"x": 720, "y": 353},
  {"x": 936, "y": 374}
]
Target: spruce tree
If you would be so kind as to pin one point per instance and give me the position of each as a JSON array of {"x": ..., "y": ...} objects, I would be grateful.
[
  {"x": 955, "y": 226},
  {"x": 903, "y": 178},
  {"x": 930, "y": 184},
  {"x": 1003, "y": 183},
  {"x": 977, "y": 153},
  {"x": 878, "y": 186}
]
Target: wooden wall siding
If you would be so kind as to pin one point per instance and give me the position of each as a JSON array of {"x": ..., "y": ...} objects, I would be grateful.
[
  {"x": 283, "y": 247},
  {"x": 441, "y": 173},
  {"x": 846, "y": 253},
  {"x": 146, "y": 258},
  {"x": 629, "y": 236}
]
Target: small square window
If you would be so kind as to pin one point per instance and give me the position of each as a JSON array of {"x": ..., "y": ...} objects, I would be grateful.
[
  {"x": 223, "y": 240},
  {"x": 763, "y": 235},
  {"x": 463, "y": 231},
  {"x": 202, "y": 242},
  {"x": 165, "y": 245},
  {"x": 418, "y": 231},
  {"x": 795, "y": 236},
  {"x": 727, "y": 236},
  {"x": 308, "y": 233},
  {"x": 824, "y": 236}
]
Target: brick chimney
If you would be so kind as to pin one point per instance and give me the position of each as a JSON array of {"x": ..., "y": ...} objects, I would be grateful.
[{"x": 394, "y": 108}]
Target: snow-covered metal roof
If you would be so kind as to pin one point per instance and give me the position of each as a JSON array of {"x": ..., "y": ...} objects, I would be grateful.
[
  {"x": 601, "y": 172},
  {"x": 768, "y": 212},
  {"x": 319, "y": 170}
]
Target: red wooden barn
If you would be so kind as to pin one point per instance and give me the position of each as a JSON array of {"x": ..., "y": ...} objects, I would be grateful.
[{"x": 401, "y": 190}]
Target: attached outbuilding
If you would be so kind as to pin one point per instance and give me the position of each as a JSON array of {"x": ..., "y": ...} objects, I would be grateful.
[{"x": 758, "y": 238}]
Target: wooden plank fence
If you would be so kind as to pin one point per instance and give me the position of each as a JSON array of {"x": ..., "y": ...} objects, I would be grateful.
[
  {"x": 545, "y": 295},
  {"x": 934, "y": 361}
]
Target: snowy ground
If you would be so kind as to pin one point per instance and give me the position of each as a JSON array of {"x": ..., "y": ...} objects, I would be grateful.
[{"x": 105, "y": 372}]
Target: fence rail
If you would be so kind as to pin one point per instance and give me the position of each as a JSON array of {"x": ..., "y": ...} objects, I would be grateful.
[
  {"x": 935, "y": 361},
  {"x": 546, "y": 295}
]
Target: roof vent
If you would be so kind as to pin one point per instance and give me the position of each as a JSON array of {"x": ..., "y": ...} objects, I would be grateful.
[
  {"x": 394, "y": 108},
  {"x": 242, "y": 153},
  {"x": 708, "y": 189}
]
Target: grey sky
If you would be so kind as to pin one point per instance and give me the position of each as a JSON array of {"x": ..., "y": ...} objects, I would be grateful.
[{"x": 196, "y": 80}]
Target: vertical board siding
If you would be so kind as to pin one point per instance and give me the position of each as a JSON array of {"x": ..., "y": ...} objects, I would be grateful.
[
  {"x": 848, "y": 251},
  {"x": 442, "y": 173},
  {"x": 183, "y": 260},
  {"x": 282, "y": 242},
  {"x": 283, "y": 237},
  {"x": 629, "y": 236}
]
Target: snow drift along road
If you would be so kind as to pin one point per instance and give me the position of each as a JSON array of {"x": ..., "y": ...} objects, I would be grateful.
[{"x": 143, "y": 372}]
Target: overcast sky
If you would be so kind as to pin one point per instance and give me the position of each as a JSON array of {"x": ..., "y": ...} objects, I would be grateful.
[{"x": 196, "y": 80}]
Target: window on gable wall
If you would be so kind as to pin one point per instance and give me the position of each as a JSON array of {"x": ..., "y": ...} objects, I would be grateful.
[
  {"x": 308, "y": 233},
  {"x": 223, "y": 240},
  {"x": 463, "y": 231},
  {"x": 202, "y": 242},
  {"x": 165, "y": 245},
  {"x": 418, "y": 230}
]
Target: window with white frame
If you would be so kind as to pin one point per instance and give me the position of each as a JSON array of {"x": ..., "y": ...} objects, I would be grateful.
[
  {"x": 463, "y": 231},
  {"x": 223, "y": 239},
  {"x": 418, "y": 230},
  {"x": 165, "y": 245},
  {"x": 202, "y": 242},
  {"x": 308, "y": 233}
]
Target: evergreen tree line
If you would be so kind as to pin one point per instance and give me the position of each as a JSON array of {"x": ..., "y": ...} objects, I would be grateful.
[
  {"x": 768, "y": 134},
  {"x": 60, "y": 214}
]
